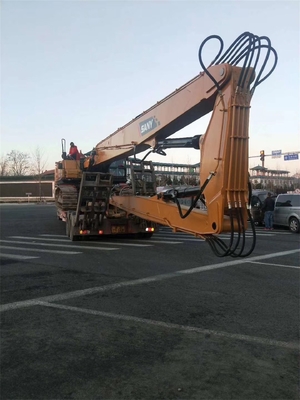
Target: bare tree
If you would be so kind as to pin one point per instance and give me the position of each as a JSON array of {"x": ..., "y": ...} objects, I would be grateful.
[
  {"x": 4, "y": 166},
  {"x": 38, "y": 167},
  {"x": 18, "y": 162}
]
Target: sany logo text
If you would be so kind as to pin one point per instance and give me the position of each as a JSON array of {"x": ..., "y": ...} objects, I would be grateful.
[{"x": 148, "y": 125}]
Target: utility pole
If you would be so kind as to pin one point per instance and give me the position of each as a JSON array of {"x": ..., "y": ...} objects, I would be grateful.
[{"x": 262, "y": 158}]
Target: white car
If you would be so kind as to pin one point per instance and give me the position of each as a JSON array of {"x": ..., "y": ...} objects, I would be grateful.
[{"x": 287, "y": 211}]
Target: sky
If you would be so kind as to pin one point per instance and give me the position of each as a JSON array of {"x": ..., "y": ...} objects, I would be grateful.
[{"x": 79, "y": 70}]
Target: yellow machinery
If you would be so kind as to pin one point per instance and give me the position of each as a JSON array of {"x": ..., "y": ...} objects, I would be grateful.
[{"x": 225, "y": 88}]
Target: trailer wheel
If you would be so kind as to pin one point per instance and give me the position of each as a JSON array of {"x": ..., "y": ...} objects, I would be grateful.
[
  {"x": 143, "y": 235},
  {"x": 147, "y": 235},
  {"x": 68, "y": 225},
  {"x": 72, "y": 235}
]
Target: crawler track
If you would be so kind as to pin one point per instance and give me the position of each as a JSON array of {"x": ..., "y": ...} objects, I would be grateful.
[{"x": 66, "y": 197}]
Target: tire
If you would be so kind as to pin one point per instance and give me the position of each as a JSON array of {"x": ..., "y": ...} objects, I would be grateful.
[
  {"x": 143, "y": 235},
  {"x": 147, "y": 235},
  {"x": 68, "y": 226},
  {"x": 294, "y": 225},
  {"x": 73, "y": 237}
]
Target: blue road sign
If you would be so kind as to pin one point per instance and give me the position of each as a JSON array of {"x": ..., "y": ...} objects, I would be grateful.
[{"x": 289, "y": 157}]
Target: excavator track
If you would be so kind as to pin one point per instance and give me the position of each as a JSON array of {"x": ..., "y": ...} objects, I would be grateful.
[{"x": 66, "y": 198}]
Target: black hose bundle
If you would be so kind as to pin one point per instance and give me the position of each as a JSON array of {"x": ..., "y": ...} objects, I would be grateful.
[{"x": 247, "y": 48}]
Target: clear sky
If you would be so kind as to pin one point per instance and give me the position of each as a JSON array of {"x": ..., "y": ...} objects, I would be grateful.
[{"x": 81, "y": 69}]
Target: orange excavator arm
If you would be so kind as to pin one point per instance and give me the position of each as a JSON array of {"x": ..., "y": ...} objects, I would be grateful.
[
  {"x": 182, "y": 107},
  {"x": 225, "y": 89},
  {"x": 223, "y": 168}
]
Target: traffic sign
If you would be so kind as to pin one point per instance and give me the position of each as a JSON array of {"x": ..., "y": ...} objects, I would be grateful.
[
  {"x": 292, "y": 156},
  {"x": 276, "y": 153},
  {"x": 28, "y": 194}
]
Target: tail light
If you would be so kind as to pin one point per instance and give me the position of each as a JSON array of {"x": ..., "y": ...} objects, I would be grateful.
[{"x": 149, "y": 229}]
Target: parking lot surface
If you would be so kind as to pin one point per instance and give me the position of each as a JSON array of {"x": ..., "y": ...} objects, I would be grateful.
[{"x": 162, "y": 318}]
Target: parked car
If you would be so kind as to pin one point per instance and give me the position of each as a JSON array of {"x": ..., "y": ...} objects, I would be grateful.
[
  {"x": 257, "y": 199},
  {"x": 287, "y": 211}
]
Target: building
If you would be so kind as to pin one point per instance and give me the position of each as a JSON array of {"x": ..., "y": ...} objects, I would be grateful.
[
  {"x": 276, "y": 180},
  {"x": 27, "y": 187},
  {"x": 37, "y": 189},
  {"x": 176, "y": 173}
]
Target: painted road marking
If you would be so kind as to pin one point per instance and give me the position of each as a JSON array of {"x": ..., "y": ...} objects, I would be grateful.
[
  {"x": 161, "y": 324},
  {"x": 38, "y": 250},
  {"x": 275, "y": 265},
  {"x": 248, "y": 232},
  {"x": 118, "y": 243},
  {"x": 58, "y": 245},
  {"x": 193, "y": 239},
  {"x": 155, "y": 278},
  {"x": 223, "y": 235},
  {"x": 16, "y": 257},
  {"x": 85, "y": 247},
  {"x": 58, "y": 236},
  {"x": 164, "y": 241}
]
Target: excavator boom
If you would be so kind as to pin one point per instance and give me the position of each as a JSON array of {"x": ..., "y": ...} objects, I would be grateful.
[{"x": 182, "y": 107}]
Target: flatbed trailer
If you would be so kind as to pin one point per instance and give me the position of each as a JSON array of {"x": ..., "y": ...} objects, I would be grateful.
[{"x": 95, "y": 216}]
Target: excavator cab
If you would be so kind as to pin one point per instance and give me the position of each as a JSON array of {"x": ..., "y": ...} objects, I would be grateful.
[
  {"x": 118, "y": 170},
  {"x": 67, "y": 169}
]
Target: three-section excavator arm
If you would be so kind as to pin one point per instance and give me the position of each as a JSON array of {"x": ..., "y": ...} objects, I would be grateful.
[{"x": 225, "y": 89}]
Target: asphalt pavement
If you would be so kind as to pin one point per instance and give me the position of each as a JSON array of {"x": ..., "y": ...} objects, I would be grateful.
[{"x": 160, "y": 318}]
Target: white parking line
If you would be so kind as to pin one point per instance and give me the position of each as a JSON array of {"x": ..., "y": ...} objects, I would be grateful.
[
  {"x": 57, "y": 236},
  {"x": 39, "y": 250},
  {"x": 259, "y": 232},
  {"x": 158, "y": 240},
  {"x": 161, "y": 324},
  {"x": 192, "y": 239},
  {"x": 57, "y": 245},
  {"x": 171, "y": 235},
  {"x": 16, "y": 257},
  {"x": 274, "y": 265},
  {"x": 155, "y": 278},
  {"x": 86, "y": 247}
]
